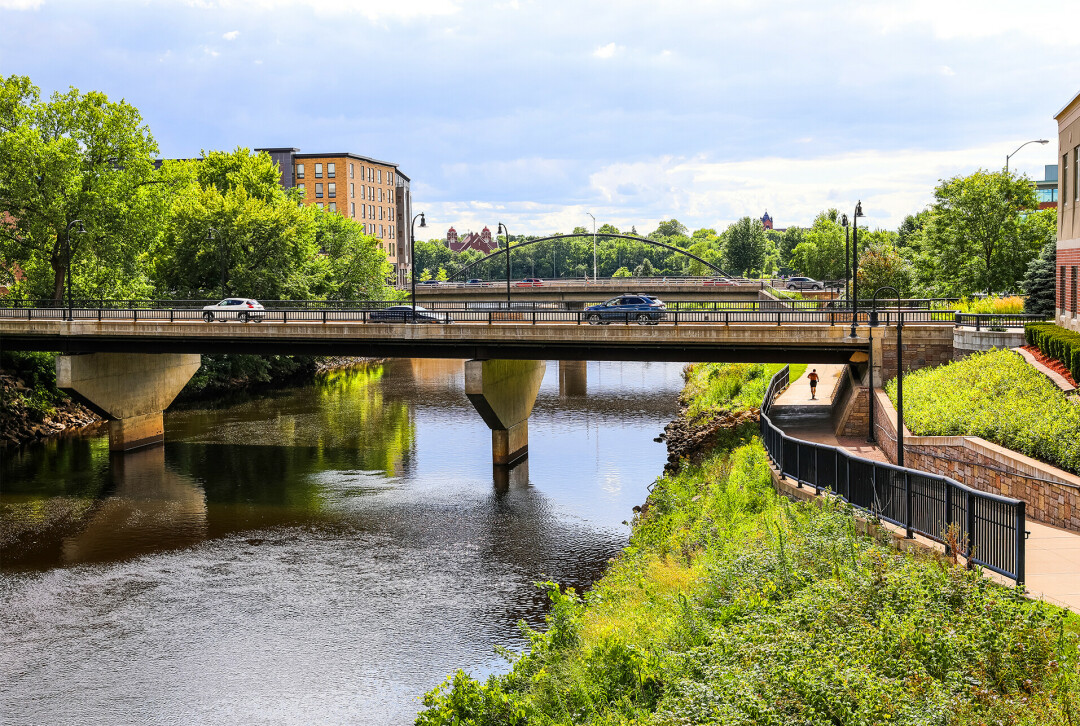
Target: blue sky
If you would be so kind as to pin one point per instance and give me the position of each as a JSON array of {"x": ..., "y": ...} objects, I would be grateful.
[{"x": 535, "y": 113}]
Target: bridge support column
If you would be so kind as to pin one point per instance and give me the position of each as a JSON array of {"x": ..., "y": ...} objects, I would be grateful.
[
  {"x": 503, "y": 393},
  {"x": 573, "y": 378},
  {"x": 132, "y": 390}
]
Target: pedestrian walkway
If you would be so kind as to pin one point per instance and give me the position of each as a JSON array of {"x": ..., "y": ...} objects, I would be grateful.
[
  {"x": 798, "y": 391},
  {"x": 1052, "y": 554}
]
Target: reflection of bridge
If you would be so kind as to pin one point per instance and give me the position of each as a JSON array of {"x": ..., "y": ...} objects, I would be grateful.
[{"x": 130, "y": 364}]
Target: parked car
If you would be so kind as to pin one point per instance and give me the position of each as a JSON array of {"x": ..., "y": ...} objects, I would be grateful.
[
  {"x": 474, "y": 282},
  {"x": 234, "y": 308},
  {"x": 803, "y": 283},
  {"x": 718, "y": 281},
  {"x": 406, "y": 314},
  {"x": 429, "y": 282},
  {"x": 529, "y": 282},
  {"x": 644, "y": 309}
]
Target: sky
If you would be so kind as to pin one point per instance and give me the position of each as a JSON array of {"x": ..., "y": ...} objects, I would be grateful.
[{"x": 536, "y": 114}]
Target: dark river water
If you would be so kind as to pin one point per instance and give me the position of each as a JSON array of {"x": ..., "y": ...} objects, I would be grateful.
[{"x": 323, "y": 555}]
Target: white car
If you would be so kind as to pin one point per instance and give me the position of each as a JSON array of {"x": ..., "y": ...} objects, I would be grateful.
[{"x": 234, "y": 308}]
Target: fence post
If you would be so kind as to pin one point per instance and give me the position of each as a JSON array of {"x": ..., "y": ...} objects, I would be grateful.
[
  {"x": 777, "y": 317},
  {"x": 948, "y": 515},
  {"x": 908, "y": 508},
  {"x": 171, "y": 311},
  {"x": 847, "y": 478},
  {"x": 285, "y": 315},
  {"x": 99, "y": 315},
  {"x": 134, "y": 315},
  {"x": 798, "y": 465},
  {"x": 324, "y": 316},
  {"x": 970, "y": 534},
  {"x": 1021, "y": 536}
]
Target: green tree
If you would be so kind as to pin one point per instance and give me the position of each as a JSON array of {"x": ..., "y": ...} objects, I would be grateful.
[
  {"x": 1039, "y": 282},
  {"x": 350, "y": 265},
  {"x": 622, "y": 272},
  {"x": 645, "y": 269},
  {"x": 76, "y": 157},
  {"x": 881, "y": 264},
  {"x": 670, "y": 228},
  {"x": 744, "y": 247},
  {"x": 791, "y": 238},
  {"x": 821, "y": 254},
  {"x": 972, "y": 237}
]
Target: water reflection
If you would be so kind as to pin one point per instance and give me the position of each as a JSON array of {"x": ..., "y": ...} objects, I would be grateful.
[{"x": 346, "y": 544}]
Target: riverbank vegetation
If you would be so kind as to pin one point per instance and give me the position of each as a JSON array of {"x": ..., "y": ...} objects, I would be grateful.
[
  {"x": 732, "y": 605},
  {"x": 997, "y": 396}
]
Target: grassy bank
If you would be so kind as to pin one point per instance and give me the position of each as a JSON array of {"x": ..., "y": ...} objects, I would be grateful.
[
  {"x": 734, "y": 606},
  {"x": 999, "y": 397}
]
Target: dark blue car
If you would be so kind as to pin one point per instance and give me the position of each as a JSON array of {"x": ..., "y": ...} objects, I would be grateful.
[{"x": 641, "y": 309}]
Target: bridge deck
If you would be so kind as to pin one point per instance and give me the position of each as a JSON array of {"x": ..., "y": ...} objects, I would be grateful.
[{"x": 809, "y": 342}]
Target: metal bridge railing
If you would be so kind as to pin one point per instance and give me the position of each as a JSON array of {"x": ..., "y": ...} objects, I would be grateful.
[{"x": 988, "y": 529}]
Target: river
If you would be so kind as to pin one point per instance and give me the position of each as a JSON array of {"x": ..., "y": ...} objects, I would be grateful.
[{"x": 324, "y": 554}]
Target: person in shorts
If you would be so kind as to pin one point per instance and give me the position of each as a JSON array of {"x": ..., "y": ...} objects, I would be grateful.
[{"x": 813, "y": 384}]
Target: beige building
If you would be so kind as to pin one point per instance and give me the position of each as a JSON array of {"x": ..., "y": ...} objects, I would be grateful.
[
  {"x": 371, "y": 192},
  {"x": 1068, "y": 242}
]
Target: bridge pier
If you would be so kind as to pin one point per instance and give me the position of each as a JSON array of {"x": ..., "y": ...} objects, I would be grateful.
[
  {"x": 573, "y": 378},
  {"x": 131, "y": 390},
  {"x": 503, "y": 393}
]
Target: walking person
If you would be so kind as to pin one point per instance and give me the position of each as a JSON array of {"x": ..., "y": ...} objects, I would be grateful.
[{"x": 813, "y": 384}]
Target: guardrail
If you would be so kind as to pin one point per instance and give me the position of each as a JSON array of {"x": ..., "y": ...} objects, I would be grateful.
[
  {"x": 988, "y": 529},
  {"x": 488, "y": 313},
  {"x": 994, "y": 321}
]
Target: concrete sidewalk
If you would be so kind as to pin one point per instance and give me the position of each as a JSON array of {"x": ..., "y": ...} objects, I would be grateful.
[{"x": 1052, "y": 554}]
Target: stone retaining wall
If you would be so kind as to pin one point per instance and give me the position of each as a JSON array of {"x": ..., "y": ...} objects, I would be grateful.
[
  {"x": 968, "y": 340},
  {"x": 1052, "y": 495}
]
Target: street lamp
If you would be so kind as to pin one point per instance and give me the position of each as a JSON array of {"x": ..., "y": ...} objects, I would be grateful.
[
  {"x": 594, "y": 276},
  {"x": 855, "y": 268},
  {"x": 847, "y": 259},
  {"x": 412, "y": 254},
  {"x": 899, "y": 372},
  {"x": 502, "y": 228},
  {"x": 1033, "y": 141},
  {"x": 67, "y": 246},
  {"x": 211, "y": 234}
]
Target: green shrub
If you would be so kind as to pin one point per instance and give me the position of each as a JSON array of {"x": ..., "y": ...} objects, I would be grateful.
[
  {"x": 1056, "y": 342},
  {"x": 995, "y": 395}
]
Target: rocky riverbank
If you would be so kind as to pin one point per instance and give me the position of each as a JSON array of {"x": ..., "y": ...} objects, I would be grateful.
[
  {"x": 693, "y": 440},
  {"x": 22, "y": 422}
]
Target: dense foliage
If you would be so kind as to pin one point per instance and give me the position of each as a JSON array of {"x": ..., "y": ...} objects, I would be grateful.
[
  {"x": 1039, "y": 285},
  {"x": 1056, "y": 342},
  {"x": 989, "y": 305},
  {"x": 999, "y": 397},
  {"x": 734, "y": 606}
]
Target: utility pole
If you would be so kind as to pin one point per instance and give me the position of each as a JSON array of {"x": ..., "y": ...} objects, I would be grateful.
[{"x": 594, "y": 277}]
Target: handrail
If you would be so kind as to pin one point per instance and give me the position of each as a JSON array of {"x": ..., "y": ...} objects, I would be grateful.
[
  {"x": 991, "y": 527},
  {"x": 996, "y": 320}
]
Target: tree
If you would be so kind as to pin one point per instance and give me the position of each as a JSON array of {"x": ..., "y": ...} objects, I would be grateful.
[
  {"x": 972, "y": 239},
  {"x": 881, "y": 264},
  {"x": 1039, "y": 282},
  {"x": 645, "y": 269},
  {"x": 670, "y": 228},
  {"x": 744, "y": 247},
  {"x": 622, "y": 272},
  {"x": 821, "y": 253},
  {"x": 76, "y": 157},
  {"x": 791, "y": 238}
]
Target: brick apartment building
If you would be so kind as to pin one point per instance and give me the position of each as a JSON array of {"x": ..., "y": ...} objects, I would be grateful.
[
  {"x": 1068, "y": 242},
  {"x": 372, "y": 192}
]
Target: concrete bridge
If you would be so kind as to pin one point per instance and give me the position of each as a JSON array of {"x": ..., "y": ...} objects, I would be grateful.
[
  {"x": 575, "y": 293},
  {"x": 129, "y": 370}
]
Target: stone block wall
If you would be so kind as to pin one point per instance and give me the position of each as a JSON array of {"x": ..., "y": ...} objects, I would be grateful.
[
  {"x": 924, "y": 346},
  {"x": 1052, "y": 495},
  {"x": 968, "y": 340},
  {"x": 854, "y": 418}
]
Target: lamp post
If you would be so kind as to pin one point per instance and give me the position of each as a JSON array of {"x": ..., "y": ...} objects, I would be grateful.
[
  {"x": 855, "y": 268},
  {"x": 412, "y": 255},
  {"x": 502, "y": 228},
  {"x": 899, "y": 371},
  {"x": 1033, "y": 141},
  {"x": 211, "y": 234},
  {"x": 594, "y": 276},
  {"x": 67, "y": 261},
  {"x": 847, "y": 259}
]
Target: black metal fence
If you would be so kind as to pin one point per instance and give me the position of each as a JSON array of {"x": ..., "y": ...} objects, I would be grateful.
[
  {"x": 987, "y": 529},
  {"x": 995, "y": 321}
]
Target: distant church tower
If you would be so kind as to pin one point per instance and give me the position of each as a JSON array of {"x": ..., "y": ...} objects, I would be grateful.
[
  {"x": 485, "y": 235},
  {"x": 766, "y": 221},
  {"x": 451, "y": 237}
]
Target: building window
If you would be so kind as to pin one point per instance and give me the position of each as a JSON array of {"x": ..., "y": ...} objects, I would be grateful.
[
  {"x": 371, "y": 174},
  {"x": 390, "y": 196},
  {"x": 333, "y": 206},
  {"x": 380, "y": 195},
  {"x": 318, "y": 171},
  {"x": 353, "y": 209},
  {"x": 330, "y": 171},
  {"x": 1061, "y": 289},
  {"x": 393, "y": 249},
  {"x": 391, "y": 214},
  {"x": 331, "y": 189},
  {"x": 352, "y": 170},
  {"x": 389, "y": 177},
  {"x": 371, "y": 211},
  {"x": 303, "y": 191},
  {"x": 299, "y": 171},
  {"x": 319, "y": 205},
  {"x": 1074, "y": 307},
  {"x": 381, "y": 212},
  {"x": 318, "y": 190},
  {"x": 352, "y": 190},
  {"x": 381, "y": 230},
  {"x": 380, "y": 176},
  {"x": 1064, "y": 183},
  {"x": 1076, "y": 172}
]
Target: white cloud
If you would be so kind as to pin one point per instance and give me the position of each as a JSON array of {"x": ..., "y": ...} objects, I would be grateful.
[
  {"x": 370, "y": 9},
  {"x": 231, "y": 35},
  {"x": 946, "y": 71},
  {"x": 606, "y": 51},
  {"x": 21, "y": 4},
  {"x": 973, "y": 19}
]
